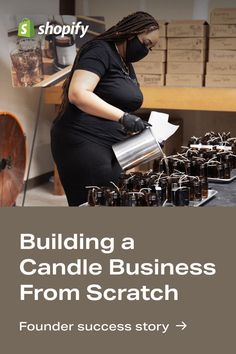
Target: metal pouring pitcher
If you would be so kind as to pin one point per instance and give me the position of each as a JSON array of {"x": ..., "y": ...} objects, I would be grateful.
[{"x": 137, "y": 149}]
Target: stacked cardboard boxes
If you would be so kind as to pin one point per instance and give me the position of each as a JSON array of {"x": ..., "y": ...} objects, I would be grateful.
[
  {"x": 186, "y": 54},
  {"x": 221, "y": 67},
  {"x": 151, "y": 70}
]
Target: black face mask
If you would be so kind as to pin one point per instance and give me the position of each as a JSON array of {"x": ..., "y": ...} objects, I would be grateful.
[{"x": 135, "y": 50}]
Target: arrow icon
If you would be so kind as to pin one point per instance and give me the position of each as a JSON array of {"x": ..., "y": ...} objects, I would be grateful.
[{"x": 182, "y": 326}]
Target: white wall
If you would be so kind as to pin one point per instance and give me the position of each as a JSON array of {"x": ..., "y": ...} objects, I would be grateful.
[
  {"x": 114, "y": 10},
  {"x": 169, "y": 9},
  {"x": 21, "y": 101}
]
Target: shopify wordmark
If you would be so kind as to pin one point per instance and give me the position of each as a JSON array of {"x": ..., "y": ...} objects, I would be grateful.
[{"x": 63, "y": 30}]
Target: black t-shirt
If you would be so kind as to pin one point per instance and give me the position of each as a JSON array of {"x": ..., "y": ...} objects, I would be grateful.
[{"x": 115, "y": 87}]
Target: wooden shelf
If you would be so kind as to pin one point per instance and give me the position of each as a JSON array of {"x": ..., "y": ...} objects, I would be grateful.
[{"x": 203, "y": 99}]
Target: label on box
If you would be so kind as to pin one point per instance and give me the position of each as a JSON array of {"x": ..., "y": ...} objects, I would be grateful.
[
  {"x": 222, "y": 55},
  {"x": 221, "y": 68},
  {"x": 223, "y": 16},
  {"x": 223, "y": 30},
  {"x": 187, "y": 43},
  {"x": 187, "y": 29},
  {"x": 149, "y": 68},
  {"x": 184, "y": 80},
  {"x": 185, "y": 68},
  {"x": 176, "y": 55},
  {"x": 222, "y": 43},
  {"x": 150, "y": 80},
  {"x": 220, "y": 80}
]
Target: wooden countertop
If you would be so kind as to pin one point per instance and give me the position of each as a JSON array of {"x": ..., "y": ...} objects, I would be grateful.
[{"x": 205, "y": 99}]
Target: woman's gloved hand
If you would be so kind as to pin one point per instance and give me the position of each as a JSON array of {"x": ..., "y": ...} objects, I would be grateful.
[{"x": 132, "y": 123}]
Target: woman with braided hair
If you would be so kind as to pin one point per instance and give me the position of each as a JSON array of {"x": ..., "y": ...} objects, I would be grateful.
[{"x": 98, "y": 98}]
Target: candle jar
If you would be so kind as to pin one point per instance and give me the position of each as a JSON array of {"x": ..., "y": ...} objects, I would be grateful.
[
  {"x": 227, "y": 171},
  {"x": 129, "y": 184},
  {"x": 180, "y": 196},
  {"x": 188, "y": 168},
  {"x": 197, "y": 191},
  {"x": 65, "y": 51},
  {"x": 164, "y": 187},
  {"x": 174, "y": 189},
  {"x": 191, "y": 189},
  {"x": 170, "y": 181},
  {"x": 162, "y": 167},
  {"x": 107, "y": 196},
  {"x": 27, "y": 62},
  {"x": 92, "y": 197},
  {"x": 143, "y": 183},
  {"x": 132, "y": 200},
  {"x": 233, "y": 161},
  {"x": 115, "y": 200},
  {"x": 193, "y": 169},
  {"x": 159, "y": 195},
  {"x": 212, "y": 170},
  {"x": 124, "y": 198},
  {"x": 100, "y": 200},
  {"x": 141, "y": 200},
  {"x": 220, "y": 171},
  {"x": 197, "y": 168},
  {"x": 152, "y": 200},
  {"x": 234, "y": 147},
  {"x": 204, "y": 181}
]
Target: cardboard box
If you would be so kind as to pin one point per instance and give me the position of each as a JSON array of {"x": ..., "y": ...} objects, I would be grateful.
[
  {"x": 161, "y": 44},
  {"x": 223, "y": 16},
  {"x": 184, "y": 55},
  {"x": 222, "y": 43},
  {"x": 156, "y": 55},
  {"x": 223, "y": 30},
  {"x": 162, "y": 28},
  {"x": 220, "y": 80},
  {"x": 222, "y": 56},
  {"x": 149, "y": 68},
  {"x": 221, "y": 68},
  {"x": 187, "y": 43},
  {"x": 150, "y": 80},
  {"x": 185, "y": 68},
  {"x": 188, "y": 28},
  {"x": 184, "y": 80}
]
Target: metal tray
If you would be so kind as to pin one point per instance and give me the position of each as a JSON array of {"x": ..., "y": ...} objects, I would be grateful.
[
  {"x": 211, "y": 194},
  {"x": 221, "y": 180}
]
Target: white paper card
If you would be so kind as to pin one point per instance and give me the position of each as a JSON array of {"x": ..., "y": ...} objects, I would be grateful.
[{"x": 161, "y": 128}]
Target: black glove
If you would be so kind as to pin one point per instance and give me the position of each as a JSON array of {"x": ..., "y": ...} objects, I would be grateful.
[{"x": 132, "y": 123}]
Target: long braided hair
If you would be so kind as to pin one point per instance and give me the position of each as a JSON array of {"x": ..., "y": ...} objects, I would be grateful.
[{"x": 129, "y": 26}]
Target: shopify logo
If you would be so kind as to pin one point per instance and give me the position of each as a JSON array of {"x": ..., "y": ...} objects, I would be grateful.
[
  {"x": 75, "y": 28},
  {"x": 26, "y": 28}
]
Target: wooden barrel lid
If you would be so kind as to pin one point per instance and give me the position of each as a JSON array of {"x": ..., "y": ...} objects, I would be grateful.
[{"x": 12, "y": 159}]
